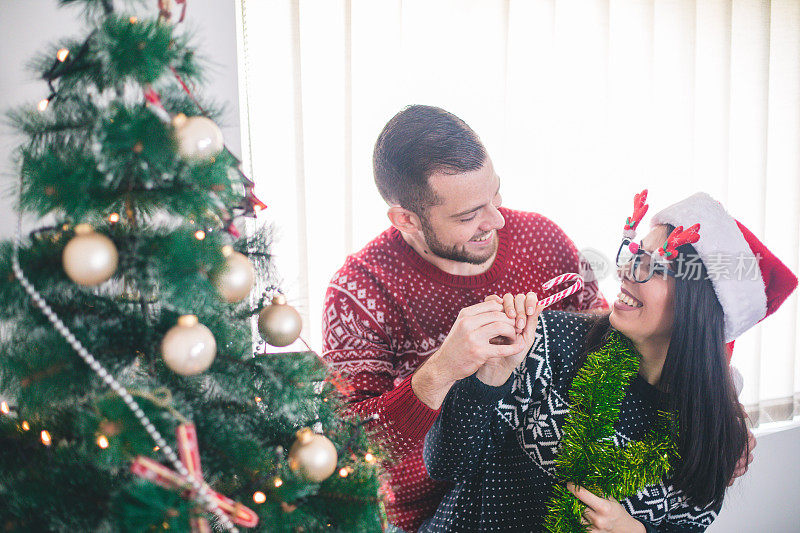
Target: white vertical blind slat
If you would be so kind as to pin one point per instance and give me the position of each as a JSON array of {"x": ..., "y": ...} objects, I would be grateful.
[{"x": 749, "y": 102}]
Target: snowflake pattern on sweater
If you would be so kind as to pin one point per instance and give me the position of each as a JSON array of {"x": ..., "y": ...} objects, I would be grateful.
[
  {"x": 498, "y": 445},
  {"x": 387, "y": 309}
]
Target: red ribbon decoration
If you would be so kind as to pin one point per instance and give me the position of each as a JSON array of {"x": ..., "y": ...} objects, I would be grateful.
[
  {"x": 251, "y": 204},
  {"x": 152, "y": 97},
  {"x": 188, "y": 448}
]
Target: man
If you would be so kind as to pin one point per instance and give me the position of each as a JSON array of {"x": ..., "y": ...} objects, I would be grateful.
[{"x": 405, "y": 317}]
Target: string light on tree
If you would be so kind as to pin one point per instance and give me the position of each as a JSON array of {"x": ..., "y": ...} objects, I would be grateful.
[
  {"x": 259, "y": 497},
  {"x": 62, "y": 55},
  {"x": 89, "y": 258},
  {"x": 46, "y": 439},
  {"x": 237, "y": 276},
  {"x": 189, "y": 347},
  {"x": 313, "y": 456},
  {"x": 199, "y": 235},
  {"x": 42, "y": 105},
  {"x": 4, "y": 408},
  {"x": 102, "y": 442},
  {"x": 113, "y": 218},
  {"x": 277, "y": 482},
  {"x": 199, "y": 139},
  {"x": 279, "y": 323},
  {"x": 25, "y": 425}
]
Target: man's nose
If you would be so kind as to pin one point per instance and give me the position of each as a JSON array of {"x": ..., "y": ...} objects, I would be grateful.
[{"x": 495, "y": 220}]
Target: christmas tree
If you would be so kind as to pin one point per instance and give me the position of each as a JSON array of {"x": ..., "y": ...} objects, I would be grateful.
[{"x": 130, "y": 395}]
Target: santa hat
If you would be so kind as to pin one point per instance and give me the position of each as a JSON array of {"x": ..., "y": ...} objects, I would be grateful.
[{"x": 749, "y": 281}]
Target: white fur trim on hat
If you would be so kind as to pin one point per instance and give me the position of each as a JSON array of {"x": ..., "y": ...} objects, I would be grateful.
[{"x": 743, "y": 297}]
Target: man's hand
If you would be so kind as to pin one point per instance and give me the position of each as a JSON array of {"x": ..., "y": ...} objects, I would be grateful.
[
  {"x": 746, "y": 458},
  {"x": 605, "y": 515},
  {"x": 524, "y": 309},
  {"x": 465, "y": 349}
]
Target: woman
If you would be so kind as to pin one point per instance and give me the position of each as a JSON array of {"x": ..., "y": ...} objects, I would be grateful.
[{"x": 684, "y": 294}]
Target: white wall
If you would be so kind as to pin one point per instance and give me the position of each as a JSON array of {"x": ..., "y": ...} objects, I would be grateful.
[{"x": 766, "y": 499}]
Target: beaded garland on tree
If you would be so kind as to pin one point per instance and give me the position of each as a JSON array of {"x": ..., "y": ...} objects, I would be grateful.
[{"x": 588, "y": 456}]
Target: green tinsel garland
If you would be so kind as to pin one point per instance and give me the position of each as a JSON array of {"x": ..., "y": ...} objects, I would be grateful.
[{"x": 588, "y": 456}]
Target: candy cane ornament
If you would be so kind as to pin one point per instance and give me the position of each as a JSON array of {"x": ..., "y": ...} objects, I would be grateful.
[
  {"x": 550, "y": 300},
  {"x": 569, "y": 291}
]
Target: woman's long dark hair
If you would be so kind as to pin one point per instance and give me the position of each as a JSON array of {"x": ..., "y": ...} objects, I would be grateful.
[{"x": 710, "y": 432}]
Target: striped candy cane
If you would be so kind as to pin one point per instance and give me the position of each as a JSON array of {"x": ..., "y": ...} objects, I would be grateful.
[{"x": 569, "y": 291}]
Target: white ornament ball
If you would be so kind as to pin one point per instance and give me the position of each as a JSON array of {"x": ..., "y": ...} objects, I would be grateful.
[
  {"x": 189, "y": 347},
  {"x": 279, "y": 323},
  {"x": 89, "y": 258},
  {"x": 236, "y": 279},
  {"x": 198, "y": 137},
  {"x": 313, "y": 456}
]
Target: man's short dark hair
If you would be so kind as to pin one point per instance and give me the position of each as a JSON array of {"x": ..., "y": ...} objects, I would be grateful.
[{"x": 416, "y": 143}]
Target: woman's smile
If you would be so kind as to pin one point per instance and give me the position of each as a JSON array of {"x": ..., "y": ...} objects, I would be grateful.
[{"x": 626, "y": 301}]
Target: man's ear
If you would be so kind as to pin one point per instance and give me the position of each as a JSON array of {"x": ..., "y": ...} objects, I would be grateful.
[{"x": 403, "y": 219}]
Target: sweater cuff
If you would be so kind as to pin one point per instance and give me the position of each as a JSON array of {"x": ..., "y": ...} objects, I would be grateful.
[
  {"x": 479, "y": 391},
  {"x": 649, "y": 528},
  {"x": 410, "y": 417}
]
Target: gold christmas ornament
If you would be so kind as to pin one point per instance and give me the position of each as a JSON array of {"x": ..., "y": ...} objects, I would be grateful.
[
  {"x": 279, "y": 323},
  {"x": 89, "y": 258},
  {"x": 189, "y": 347},
  {"x": 237, "y": 276},
  {"x": 198, "y": 137},
  {"x": 313, "y": 456}
]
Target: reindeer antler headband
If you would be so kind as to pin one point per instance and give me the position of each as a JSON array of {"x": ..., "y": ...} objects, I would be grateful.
[{"x": 676, "y": 239}]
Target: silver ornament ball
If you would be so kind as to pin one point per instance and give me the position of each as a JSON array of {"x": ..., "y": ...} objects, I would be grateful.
[
  {"x": 189, "y": 347},
  {"x": 237, "y": 276},
  {"x": 198, "y": 137},
  {"x": 279, "y": 323},
  {"x": 89, "y": 258},
  {"x": 313, "y": 456}
]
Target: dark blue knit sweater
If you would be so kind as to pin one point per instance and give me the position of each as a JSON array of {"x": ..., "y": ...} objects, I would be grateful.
[{"x": 498, "y": 444}]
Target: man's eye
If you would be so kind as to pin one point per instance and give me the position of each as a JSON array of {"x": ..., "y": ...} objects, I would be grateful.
[{"x": 468, "y": 219}]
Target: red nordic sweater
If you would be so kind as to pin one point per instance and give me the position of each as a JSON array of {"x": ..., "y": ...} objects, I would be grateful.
[{"x": 387, "y": 309}]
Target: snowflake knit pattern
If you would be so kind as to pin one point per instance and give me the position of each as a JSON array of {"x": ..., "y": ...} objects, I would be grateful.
[{"x": 499, "y": 446}]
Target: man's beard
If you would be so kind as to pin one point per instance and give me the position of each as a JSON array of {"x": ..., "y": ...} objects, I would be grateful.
[{"x": 456, "y": 252}]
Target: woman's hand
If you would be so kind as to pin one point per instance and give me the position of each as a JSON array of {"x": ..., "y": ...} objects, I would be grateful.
[
  {"x": 525, "y": 310},
  {"x": 605, "y": 515}
]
